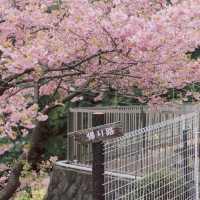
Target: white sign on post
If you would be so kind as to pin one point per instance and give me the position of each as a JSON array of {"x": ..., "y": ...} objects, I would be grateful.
[{"x": 99, "y": 133}]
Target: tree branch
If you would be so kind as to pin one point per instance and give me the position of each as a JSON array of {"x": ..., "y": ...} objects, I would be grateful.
[
  {"x": 13, "y": 180},
  {"x": 74, "y": 64}
]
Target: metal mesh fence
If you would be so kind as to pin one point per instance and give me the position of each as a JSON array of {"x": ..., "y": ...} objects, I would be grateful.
[
  {"x": 159, "y": 162},
  {"x": 131, "y": 118}
]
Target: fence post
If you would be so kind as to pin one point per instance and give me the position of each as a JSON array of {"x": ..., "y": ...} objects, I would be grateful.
[
  {"x": 196, "y": 161},
  {"x": 144, "y": 138},
  {"x": 98, "y": 161},
  {"x": 185, "y": 163}
]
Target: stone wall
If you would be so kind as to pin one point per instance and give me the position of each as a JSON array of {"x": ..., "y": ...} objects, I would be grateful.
[{"x": 69, "y": 184}]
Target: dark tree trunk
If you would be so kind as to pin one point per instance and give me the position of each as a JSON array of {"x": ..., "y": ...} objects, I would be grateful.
[
  {"x": 13, "y": 180},
  {"x": 39, "y": 137}
]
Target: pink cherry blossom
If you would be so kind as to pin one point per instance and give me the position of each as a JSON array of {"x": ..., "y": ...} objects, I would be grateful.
[{"x": 120, "y": 43}]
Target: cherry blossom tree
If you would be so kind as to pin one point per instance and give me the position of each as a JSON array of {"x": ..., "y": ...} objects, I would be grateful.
[{"x": 64, "y": 48}]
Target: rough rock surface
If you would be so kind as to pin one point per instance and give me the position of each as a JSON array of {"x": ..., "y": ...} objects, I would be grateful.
[{"x": 68, "y": 184}]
